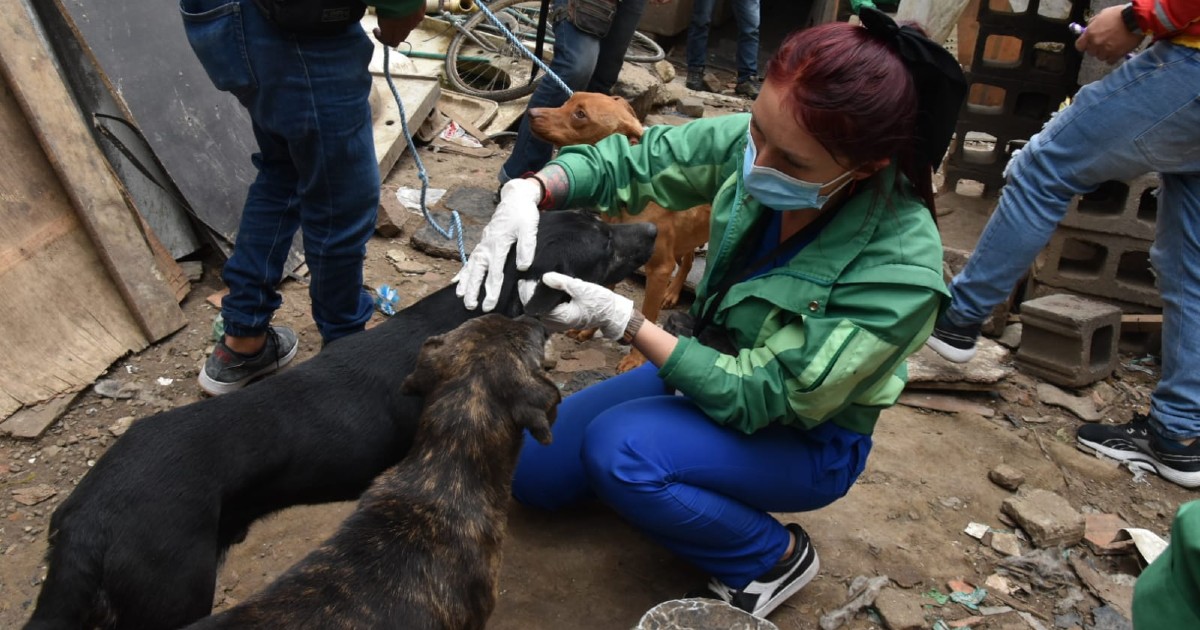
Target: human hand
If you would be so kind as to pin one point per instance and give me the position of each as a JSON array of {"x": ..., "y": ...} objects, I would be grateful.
[
  {"x": 514, "y": 221},
  {"x": 1106, "y": 36},
  {"x": 591, "y": 305},
  {"x": 392, "y": 31}
]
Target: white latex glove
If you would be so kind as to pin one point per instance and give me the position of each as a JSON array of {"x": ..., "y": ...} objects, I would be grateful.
[
  {"x": 514, "y": 221},
  {"x": 590, "y": 305}
]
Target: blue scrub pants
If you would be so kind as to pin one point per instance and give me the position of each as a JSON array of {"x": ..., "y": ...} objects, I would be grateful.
[{"x": 700, "y": 489}]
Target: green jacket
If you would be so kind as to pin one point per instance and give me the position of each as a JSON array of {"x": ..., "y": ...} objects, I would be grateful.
[
  {"x": 1167, "y": 594},
  {"x": 396, "y": 8},
  {"x": 822, "y": 338}
]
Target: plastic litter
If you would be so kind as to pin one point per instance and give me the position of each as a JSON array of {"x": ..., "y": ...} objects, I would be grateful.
[
  {"x": 970, "y": 600},
  {"x": 386, "y": 299},
  {"x": 411, "y": 197}
]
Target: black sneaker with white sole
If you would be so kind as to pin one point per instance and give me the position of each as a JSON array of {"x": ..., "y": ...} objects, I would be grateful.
[
  {"x": 1140, "y": 444},
  {"x": 954, "y": 343},
  {"x": 226, "y": 371},
  {"x": 772, "y": 588}
]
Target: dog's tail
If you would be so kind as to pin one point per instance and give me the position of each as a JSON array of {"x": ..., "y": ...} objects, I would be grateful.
[{"x": 71, "y": 596}]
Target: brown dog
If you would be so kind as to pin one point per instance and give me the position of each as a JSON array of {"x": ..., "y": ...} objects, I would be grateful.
[
  {"x": 422, "y": 550},
  {"x": 587, "y": 118}
]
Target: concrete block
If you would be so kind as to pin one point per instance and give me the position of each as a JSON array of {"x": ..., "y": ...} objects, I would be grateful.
[
  {"x": 691, "y": 106},
  {"x": 1122, "y": 208},
  {"x": 1048, "y": 518},
  {"x": 1068, "y": 340},
  {"x": 1095, "y": 263}
]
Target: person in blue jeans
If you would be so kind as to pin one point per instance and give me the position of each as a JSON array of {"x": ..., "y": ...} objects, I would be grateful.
[
  {"x": 746, "y": 16},
  {"x": 1143, "y": 117},
  {"x": 586, "y": 59},
  {"x": 306, "y": 87}
]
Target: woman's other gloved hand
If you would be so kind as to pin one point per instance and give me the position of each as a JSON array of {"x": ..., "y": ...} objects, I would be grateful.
[{"x": 591, "y": 305}]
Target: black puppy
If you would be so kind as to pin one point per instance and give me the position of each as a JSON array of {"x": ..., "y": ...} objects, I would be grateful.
[
  {"x": 422, "y": 550},
  {"x": 138, "y": 543}
]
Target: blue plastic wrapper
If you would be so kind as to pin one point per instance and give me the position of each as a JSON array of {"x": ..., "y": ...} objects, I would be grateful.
[{"x": 386, "y": 299}]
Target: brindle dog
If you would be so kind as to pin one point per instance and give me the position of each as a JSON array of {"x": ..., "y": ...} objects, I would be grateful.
[
  {"x": 138, "y": 543},
  {"x": 422, "y": 551}
]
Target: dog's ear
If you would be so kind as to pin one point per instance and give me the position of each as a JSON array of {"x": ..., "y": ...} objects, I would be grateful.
[
  {"x": 538, "y": 417},
  {"x": 630, "y": 126},
  {"x": 424, "y": 375}
]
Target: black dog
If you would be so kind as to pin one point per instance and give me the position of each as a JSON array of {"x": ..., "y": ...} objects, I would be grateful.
[
  {"x": 422, "y": 550},
  {"x": 138, "y": 543}
]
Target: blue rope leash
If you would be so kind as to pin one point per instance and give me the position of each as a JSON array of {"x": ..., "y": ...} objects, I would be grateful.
[
  {"x": 528, "y": 53},
  {"x": 456, "y": 229}
]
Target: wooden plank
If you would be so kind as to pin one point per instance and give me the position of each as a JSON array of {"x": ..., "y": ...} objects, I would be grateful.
[
  {"x": 201, "y": 136},
  {"x": 40, "y": 91},
  {"x": 148, "y": 185},
  {"x": 64, "y": 320},
  {"x": 1143, "y": 323},
  {"x": 418, "y": 94}
]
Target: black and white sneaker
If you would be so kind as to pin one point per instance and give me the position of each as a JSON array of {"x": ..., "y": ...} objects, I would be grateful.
[
  {"x": 953, "y": 343},
  {"x": 1141, "y": 446},
  {"x": 772, "y": 588}
]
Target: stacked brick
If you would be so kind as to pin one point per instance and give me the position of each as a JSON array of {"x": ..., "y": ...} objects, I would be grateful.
[
  {"x": 1102, "y": 248},
  {"x": 1025, "y": 65}
]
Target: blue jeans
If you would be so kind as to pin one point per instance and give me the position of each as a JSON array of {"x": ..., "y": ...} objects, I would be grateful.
[
  {"x": 746, "y": 16},
  {"x": 1143, "y": 117},
  {"x": 701, "y": 490},
  {"x": 585, "y": 63},
  {"x": 307, "y": 100}
]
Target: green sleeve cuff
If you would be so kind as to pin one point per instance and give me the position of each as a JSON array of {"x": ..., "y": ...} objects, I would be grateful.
[{"x": 580, "y": 182}]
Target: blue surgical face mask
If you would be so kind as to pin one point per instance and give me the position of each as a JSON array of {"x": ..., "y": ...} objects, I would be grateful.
[{"x": 780, "y": 191}]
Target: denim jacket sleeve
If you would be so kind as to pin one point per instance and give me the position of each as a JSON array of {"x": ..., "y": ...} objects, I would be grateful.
[{"x": 676, "y": 167}]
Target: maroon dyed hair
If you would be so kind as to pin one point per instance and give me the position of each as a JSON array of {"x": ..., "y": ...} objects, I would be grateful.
[{"x": 853, "y": 93}]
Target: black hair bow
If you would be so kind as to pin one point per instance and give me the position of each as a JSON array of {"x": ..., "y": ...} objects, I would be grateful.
[{"x": 937, "y": 75}]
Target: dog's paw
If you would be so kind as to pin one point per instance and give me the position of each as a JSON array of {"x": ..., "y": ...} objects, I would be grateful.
[
  {"x": 630, "y": 361},
  {"x": 582, "y": 334}
]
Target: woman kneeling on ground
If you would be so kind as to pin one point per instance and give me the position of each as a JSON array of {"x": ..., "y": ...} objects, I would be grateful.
[{"x": 824, "y": 273}]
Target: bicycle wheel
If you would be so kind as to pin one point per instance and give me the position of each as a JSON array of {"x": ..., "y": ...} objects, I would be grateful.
[
  {"x": 505, "y": 75},
  {"x": 643, "y": 49}
]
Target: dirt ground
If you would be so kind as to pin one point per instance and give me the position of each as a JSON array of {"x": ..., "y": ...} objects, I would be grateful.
[{"x": 926, "y": 481}]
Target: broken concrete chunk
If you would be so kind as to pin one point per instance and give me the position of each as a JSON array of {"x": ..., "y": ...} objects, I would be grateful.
[
  {"x": 33, "y": 495},
  {"x": 1084, "y": 407},
  {"x": 1006, "y": 544},
  {"x": 1006, "y": 477},
  {"x": 900, "y": 610},
  {"x": 1048, "y": 518},
  {"x": 691, "y": 106}
]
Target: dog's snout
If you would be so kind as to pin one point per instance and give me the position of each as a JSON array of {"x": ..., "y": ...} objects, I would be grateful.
[{"x": 536, "y": 112}]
